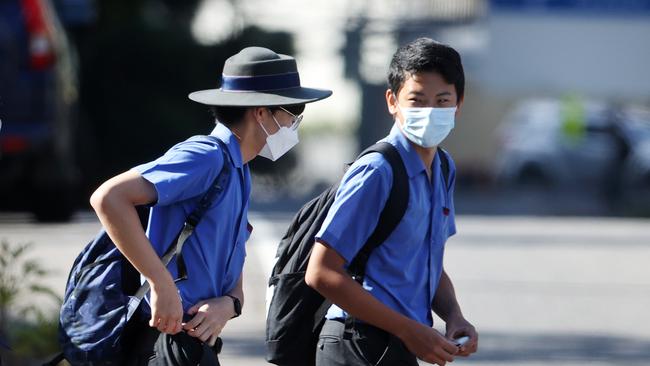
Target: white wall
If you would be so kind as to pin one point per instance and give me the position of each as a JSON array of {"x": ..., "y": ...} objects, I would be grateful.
[{"x": 542, "y": 53}]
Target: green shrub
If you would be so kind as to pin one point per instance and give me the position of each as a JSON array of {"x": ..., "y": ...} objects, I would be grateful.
[{"x": 29, "y": 329}]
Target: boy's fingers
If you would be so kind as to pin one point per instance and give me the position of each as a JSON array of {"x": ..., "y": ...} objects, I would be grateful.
[
  {"x": 176, "y": 328},
  {"x": 162, "y": 325},
  {"x": 195, "y": 308},
  {"x": 198, "y": 319},
  {"x": 213, "y": 340}
]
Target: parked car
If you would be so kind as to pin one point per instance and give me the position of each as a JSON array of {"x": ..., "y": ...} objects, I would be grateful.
[
  {"x": 585, "y": 146},
  {"x": 37, "y": 96}
]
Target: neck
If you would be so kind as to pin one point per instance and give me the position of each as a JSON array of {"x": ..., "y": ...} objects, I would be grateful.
[
  {"x": 427, "y": 154},
  {"x": 250, "y": 139}
]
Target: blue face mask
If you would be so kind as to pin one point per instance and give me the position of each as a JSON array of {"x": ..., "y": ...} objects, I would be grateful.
[{"x": 427, "y": 127}]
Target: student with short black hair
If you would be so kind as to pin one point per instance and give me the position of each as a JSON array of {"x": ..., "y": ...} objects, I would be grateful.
[
  {"x": 258, "y": 109},
  {"x": 388, "y": 319}
]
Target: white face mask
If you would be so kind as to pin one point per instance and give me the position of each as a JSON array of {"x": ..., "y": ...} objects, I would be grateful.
[
  {"x": 280, "y": 142},
  {"x": 427, "y": 127}
]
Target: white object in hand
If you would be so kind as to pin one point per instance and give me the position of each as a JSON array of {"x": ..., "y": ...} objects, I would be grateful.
[{"x": 461, "y": 341}]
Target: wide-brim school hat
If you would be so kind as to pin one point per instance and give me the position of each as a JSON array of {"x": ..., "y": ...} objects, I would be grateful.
[{"x": 259, "y": 77}]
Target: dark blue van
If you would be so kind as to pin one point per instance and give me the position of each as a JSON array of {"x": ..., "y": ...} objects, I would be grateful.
[{"x": 38, "y": 92}]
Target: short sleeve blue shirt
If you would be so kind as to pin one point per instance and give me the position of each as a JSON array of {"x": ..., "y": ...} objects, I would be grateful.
[
  {"x": 404, "y": 271},
  {"x": 215, "y": 252}
]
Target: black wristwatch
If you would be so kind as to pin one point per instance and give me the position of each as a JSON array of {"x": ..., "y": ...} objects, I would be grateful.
[{"x": 237, "y": 304}]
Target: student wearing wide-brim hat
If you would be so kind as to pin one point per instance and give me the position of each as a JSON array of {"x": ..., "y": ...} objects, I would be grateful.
[{"x": 258, "y": 109}]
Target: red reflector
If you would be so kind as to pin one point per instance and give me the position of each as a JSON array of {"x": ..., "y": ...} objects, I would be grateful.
[
  {"x": 41, "y": 50},
  {"x": 13, "y": 144},
  {"x": 41, "y": 53}
]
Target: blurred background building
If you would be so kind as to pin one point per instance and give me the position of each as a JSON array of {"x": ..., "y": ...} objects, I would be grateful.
[{"x": 578, "y": 68}]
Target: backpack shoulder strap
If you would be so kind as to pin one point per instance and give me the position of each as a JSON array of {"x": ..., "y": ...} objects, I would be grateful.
[
  {"x": 392, "y": 212},
  {"x": 444, "y": 164},
  {"x": 215, "y": 188}
]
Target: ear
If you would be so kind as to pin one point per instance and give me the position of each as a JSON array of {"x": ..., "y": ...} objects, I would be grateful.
[
  {"x": 459, "y": 106},
  {"x": 391, "y": 102},
  {"x": 259, "y": 114}
]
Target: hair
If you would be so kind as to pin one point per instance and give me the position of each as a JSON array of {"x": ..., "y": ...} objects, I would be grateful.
[
  {"x": 232, "y": 116},
  {"x": 229, "y": 116},
  {"x": 426, "y": 55}
]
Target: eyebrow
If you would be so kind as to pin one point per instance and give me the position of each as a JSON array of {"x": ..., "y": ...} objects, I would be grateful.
[
  {"x": 416, "y": 93},
  {"x": 420, "y": 94}
]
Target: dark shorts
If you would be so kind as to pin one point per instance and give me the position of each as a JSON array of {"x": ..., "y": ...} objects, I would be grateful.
[
  {"x": 150, "y": 347},
  {"x": 365, "y": 345}
]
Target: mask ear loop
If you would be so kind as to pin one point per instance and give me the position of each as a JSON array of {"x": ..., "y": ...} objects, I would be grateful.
[
  {"x": 261, "y": 125},
  {"x": 263, "y": 129},
  {"x": 276, "y": 121},
  {"x": 396, "y": 102}
]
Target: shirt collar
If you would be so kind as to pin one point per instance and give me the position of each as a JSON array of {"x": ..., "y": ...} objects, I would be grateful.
[
  {"x": 224, "y": 134},
  {"x": 412, "y": 161}
]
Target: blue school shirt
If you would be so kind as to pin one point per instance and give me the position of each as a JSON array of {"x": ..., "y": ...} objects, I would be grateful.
[
  {"x": 214, "y": 254},
  {"x": 403, "y": 272}
]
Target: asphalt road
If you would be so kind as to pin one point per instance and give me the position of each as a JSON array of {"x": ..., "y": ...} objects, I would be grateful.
[{"x": 560, "y": 291}]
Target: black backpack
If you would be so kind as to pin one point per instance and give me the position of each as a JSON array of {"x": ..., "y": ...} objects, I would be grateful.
[{"x": 296, "y": 312}]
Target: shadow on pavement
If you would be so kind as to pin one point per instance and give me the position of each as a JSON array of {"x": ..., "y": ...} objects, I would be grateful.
[
  {"x": 514, "y": 349},
  {"x": 505, "y": 348}
]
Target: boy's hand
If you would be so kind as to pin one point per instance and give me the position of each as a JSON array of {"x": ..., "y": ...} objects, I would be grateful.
[
  {"x": 458, "y": 327},
  {"x": 429, "y": 345},
  {"x": 210, "y": 316},
  {"x": 166, "y": 308}
]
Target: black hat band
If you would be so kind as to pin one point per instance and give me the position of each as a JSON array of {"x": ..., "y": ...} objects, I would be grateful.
[{"x": 260, "y": 83}]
